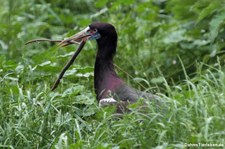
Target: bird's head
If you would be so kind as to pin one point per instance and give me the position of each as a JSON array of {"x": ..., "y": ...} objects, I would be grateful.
[
  {"x": 102, "y": 32},
  {"x": 105, "y": 35}
]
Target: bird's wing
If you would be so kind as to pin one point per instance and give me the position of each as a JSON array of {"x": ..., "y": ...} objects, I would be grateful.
[{"x": 126, "y": 93}]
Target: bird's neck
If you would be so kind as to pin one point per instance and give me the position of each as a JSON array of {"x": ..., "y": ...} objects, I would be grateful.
[{"x": 105, "y": 77}]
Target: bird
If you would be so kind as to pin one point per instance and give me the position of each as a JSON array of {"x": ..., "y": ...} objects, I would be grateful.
[{"x": 109, "y": 88}]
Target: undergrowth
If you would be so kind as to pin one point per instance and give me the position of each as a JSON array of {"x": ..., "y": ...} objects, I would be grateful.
[{"x": 34, "y": 117}]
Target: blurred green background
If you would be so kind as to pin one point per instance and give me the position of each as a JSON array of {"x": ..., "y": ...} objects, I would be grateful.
[{"x": 153, "y": 35}]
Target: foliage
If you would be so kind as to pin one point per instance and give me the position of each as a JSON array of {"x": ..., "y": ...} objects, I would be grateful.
[{"x": 174, "y": 48}]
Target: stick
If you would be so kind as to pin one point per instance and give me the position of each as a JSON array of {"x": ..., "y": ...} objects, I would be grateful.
[
  {"x": 37, "y": 40},
  {"x": 68, "y": 65}
]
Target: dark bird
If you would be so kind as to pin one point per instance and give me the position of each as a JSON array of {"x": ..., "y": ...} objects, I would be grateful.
[{"x": 109, "y": 88}]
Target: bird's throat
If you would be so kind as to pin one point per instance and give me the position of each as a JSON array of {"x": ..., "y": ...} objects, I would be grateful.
[{"x": 105, "y": 77}]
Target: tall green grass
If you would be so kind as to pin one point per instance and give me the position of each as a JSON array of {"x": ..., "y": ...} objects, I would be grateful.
[{"x": 33, "y": 117}]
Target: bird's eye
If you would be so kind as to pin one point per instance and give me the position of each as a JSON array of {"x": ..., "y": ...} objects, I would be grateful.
[{"x": 95, "y": 30}]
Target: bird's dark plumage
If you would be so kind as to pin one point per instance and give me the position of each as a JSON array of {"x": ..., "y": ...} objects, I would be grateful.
[{"x": 106, "y": 82}]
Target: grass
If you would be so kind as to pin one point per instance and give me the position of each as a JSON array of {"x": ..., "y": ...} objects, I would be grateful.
[
  {"x": 34, "y": 117},
  {"x": 160, "y": 50}
]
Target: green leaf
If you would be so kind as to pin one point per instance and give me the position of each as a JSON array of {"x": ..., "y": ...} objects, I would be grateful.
[
  {"x": 78, "y": 145},
  {"x": 101, "y": 3},
  {"x": 212, "y": 7},
  {"x": 158, "y": 80},
  {"x": 215, "y": 24},
  {"x": 175, "y": 36}
]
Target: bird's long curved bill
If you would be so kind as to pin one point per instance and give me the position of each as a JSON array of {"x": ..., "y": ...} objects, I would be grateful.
[
  {"x": 75, "y": 39},
  {"x": 79, "y": 38}
]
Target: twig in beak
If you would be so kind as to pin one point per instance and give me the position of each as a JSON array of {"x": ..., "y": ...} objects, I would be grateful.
[
  {"x": 37, "y": 40},
  {"x": 65, "y": 43},
  {"x": 62, "y": 43},
  {"x": 73, "y": 40},
  {"x": 68, "y": 65}
]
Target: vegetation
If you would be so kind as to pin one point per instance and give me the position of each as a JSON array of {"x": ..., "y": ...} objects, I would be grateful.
[{"x": 174, "y": 48}]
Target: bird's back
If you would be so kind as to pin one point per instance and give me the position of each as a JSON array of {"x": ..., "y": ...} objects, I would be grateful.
[{"x": 129, "y": 94}]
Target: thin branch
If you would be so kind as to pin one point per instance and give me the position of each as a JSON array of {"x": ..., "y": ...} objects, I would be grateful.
[
  {"x": 68, "y": 65},
  {"x": 38, "y": 40}
]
